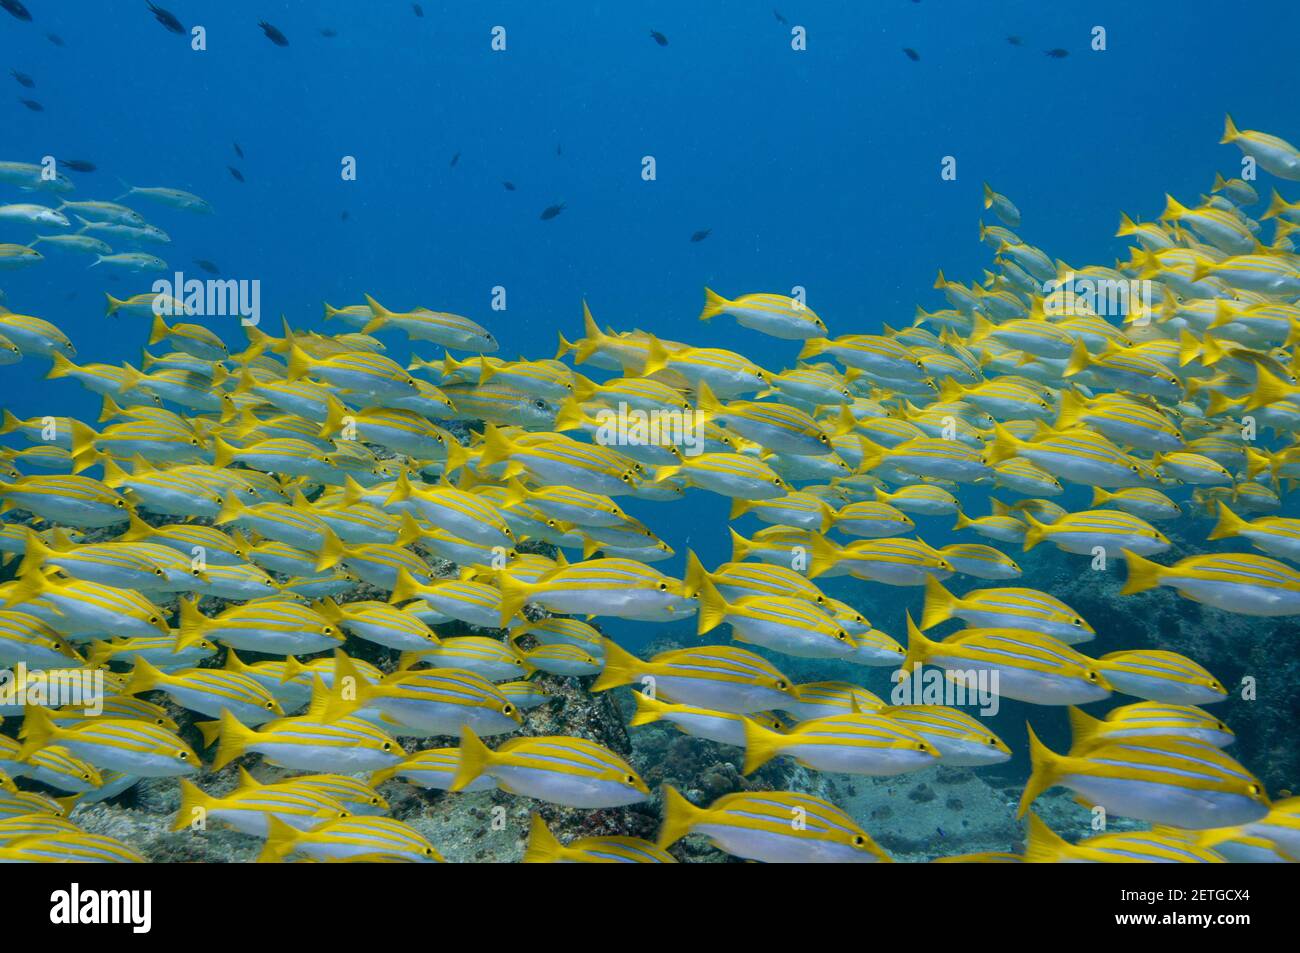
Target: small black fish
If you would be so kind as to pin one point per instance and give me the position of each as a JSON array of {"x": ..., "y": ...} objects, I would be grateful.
[
  {"x": 509, "y": 186},
  {"x": 912, "y": 54},
  {"x": 272, "y": 34},
  {"x": 1057, "y": 54},
  {"x": 454, "y": 160},
  {"x": 659, "y": 37},
  {"x": 1016, "y": 40},
  {"x": 551, "y": 211},
  {"x": 559, "y": 149},
  {"x": 344, "y": 215},
  {"x": 238, "y": 151},
  {"x": 54, "y": 38},
  {"x": 235, "y": 173},
  {"x": 779, "y": 18},
  {"x": 166, "y": 18},
  {"x": 17, "y": 9},
  {"x": 23, "y": 79},
  {"x": 207, "y": 266},
  {"x": 417, "y": 9},
  {"x": 328, "y": 33},
  {"x": 78, "y": 165},
  {"x": 701, "y": 234},
  {"x": 33, "y": 105}
]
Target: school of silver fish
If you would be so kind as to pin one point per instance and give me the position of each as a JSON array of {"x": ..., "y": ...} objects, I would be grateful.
[{"x": 280, "y": 475}]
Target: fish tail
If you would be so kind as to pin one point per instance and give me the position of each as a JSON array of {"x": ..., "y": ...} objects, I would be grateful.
[
  {"x": 35, "y": 554},
  {"x": 233, "y": 739},
  {"x": 1042, "y": 844},
  {"x": 1046, "y": 766},
  {"x": 1276, "y": 206},
  {"x": 918, "y": 647},
  {"x": 1079, "y": 360},
  {"x": 824, "y": 555},
  {"x": 334, "y": 414},
  {"x": 1005, "y": 444},
  {"x": 714, "y": 304},
  {"x": 222, "y": 455},
  {"x": 280, "y": 839},
  {"x": 113, "y": 305},
  {"x": 696, "y": 575},
  {"x": 761, "y": 745},
  {"x": 158, "y": 331},
  {"x": 474, "y": 759},
  {"x": 621, "y": 668},
  {"x": 61, "y": 367},
  {"x": 648, "y": 709},
  {"x": 210, "y": 730},
  {"x": 1143, "y": 574},
  {"x": 192, "y": 623},
  {"x": 1230, "y": 524},
  {"x": 1100, "y": 496},
  {"x": 330, "y": 310},
  {"x": 349, "y": 692},
  {"x": 542, "y": 847},
  {"x": 1035, "y": 533},
  {"x": 405, "y": 589},
  {"x": 565, "y": 347},
  {"x": 812, "y": 347},
  {"x": 740, "y": 547},
  {"x": 680, "y": 815},
  {"x": 707, "y": 405},
  {"x": 38, "y": 730},
  {"x": 144, "y": 677},
  {"x": 10, "y": 423},
  {"x": 713, "y": 608},
  {"x": 939, "y": 604},
  {"x": 331, "y": 551},
  {"x": 195, "y": 803},
  {"x": 962, "y": 520},
  {"x": 1083, "y": 728},
  {"x": 299, "y": 363},
  {"x": 1269, "y": 389},
  {"x": 569, "y": 416},
  {"x": 496, "y": 447},
  {"x": 1230, "y": 131},
  {"x": 656, "y": 358},
  {"x": 514, "y": 595}
]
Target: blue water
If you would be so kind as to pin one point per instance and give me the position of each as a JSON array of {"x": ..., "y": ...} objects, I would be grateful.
[{"x": 817, "y": 168}]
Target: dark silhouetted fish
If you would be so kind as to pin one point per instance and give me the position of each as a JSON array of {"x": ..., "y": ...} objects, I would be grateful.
[
  {"x": 659, "y": 38},
  {"x": 417, "y": 9},
  {"x": 702, "y": 234},
  {"x": 23, "y": 79},
  {"x": 912, "y": 54},
  {"x": 55, "y": 39},
  {"x": 1057, "y": 54},
  {"x": 273, "y": 34},
  {"x": 17, "y": 9},
  {"x": 328, "y": 33},
  {"x": 344, "y": 215},
  {"x": 1016, "y": 40},
  {"x": 509, "y": 186},
  {"x": 559, "y": 149},
  {"x": 33, "y": 105},
  {"x": 235, "y": 173},
  {"x": 78, "y": 165},
  {"x": 454, "y": 160},
  {"x": 207, "y": 266},
  {"x": 551, "y": 211},
  {"x": 779, "y": 18},
  {"x": 238, "y": 151},
  {"x": 166, "y": 18}
]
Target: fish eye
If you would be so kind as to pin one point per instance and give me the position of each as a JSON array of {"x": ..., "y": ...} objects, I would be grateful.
[
  {"x": 119, "y": 503},
  {"x": 374, "y": 801},
  {"x": 1076, "y": 621},
  {"x": 1134, "y": 468},
  {"x": 539, "y": 404},
  {"x": 663, "y": 587},
  {"x": 823, "y": 438},
  {"x": 781, "y": 685},
  {"x": 183, "y": 755},
  {"x": 776, "y": 482},
  {"x": 993, "y": 741},
  {"x": 859, "y": 841},
  {"x": 153, "y": 620},
  {"x": 508, "y": 710},
  {"x": 327, "y": 630},
  {"x": 1255, "y": 790},
  {"x": 158, "y": 572},
  {"x": 270, "y": 706},
  {"x": 388, "y": 746},
  {"x": 842, "y": 635},
  {"x": 629, "y": 778},
  {"x": 1092, "y": 676}
]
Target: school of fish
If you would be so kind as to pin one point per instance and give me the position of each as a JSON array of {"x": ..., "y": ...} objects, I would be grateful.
[{"x": 280, "y": 473}]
